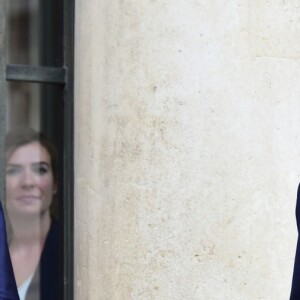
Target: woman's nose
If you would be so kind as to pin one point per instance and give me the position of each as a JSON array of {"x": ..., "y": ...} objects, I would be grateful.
[{"x": 27, "y": 179}]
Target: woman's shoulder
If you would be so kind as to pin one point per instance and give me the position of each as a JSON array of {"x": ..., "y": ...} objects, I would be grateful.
[{"x": 8, "y": 288}]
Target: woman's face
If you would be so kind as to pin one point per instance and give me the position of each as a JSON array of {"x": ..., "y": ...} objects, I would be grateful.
[{"x": 29, "y": 180}]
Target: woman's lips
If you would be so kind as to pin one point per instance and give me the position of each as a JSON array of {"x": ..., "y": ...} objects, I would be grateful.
[{"x": 28, "y": 198}]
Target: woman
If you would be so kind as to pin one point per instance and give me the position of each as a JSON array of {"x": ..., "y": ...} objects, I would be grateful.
[
  {"x": 31, "y": 183},
  {"x": 8, "y": 289}
]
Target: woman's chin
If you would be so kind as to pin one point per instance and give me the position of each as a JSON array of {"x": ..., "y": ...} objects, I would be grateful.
[{"x": 25, "y": 211}]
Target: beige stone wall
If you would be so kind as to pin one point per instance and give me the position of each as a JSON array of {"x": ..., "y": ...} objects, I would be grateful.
[{"x": 187, "y": 148}]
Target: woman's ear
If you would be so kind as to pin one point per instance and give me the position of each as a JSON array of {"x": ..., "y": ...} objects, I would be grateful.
[{"x": 54, "y": 191}]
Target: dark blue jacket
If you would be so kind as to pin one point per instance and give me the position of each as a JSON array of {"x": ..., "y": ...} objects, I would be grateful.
[
  {"x": 8, "y": 288},
  {"x": 295, "y": 293},
  {"x": 48, "y": 279}
]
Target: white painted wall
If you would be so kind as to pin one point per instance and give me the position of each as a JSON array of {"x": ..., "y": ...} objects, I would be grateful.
[{"x": 187, "y": 148}]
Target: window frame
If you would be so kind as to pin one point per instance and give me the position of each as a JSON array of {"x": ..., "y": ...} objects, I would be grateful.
[{"x": 63, "y": 75}]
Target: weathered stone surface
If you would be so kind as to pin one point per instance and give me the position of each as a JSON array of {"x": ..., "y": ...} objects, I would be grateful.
[{"x": 187, "y": 149}]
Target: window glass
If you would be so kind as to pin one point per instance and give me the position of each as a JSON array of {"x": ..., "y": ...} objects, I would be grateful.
[
  {"x": 35, "y": 32},
  {"x": 23, "y": 31},
  {"x": 34, "y": 148},
  {"x": 34, "y": 145}
]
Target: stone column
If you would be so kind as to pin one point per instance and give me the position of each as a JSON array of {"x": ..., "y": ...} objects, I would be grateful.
[{"x": 187, "y": 149}]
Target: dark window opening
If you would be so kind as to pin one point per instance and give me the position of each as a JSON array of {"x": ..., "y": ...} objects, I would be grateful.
[{"x": 36, "y": 61}]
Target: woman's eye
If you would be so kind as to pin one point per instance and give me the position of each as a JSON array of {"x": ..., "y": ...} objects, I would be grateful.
[
  {"x": 12, "y": 171},
  {"x": 41, "y": 170}
]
